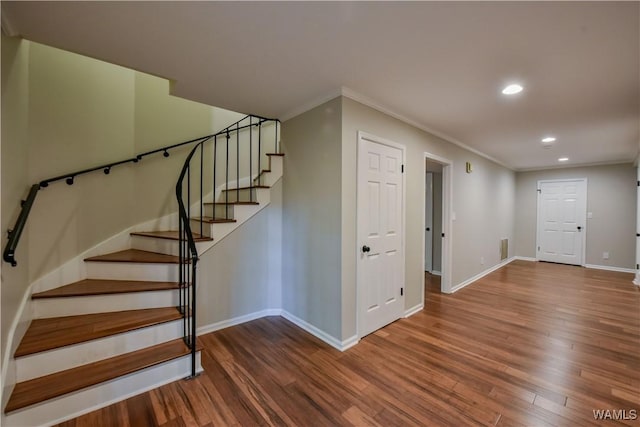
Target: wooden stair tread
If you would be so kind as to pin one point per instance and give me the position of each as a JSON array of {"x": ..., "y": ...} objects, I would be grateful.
[
  {"x": 57, "y": 384},
  {"x": 247, "y": 188},
  {"x": 50, "y": 333},
  {"x": 136, "y": 255},
  {"x": 211, "y": 220},
  {"x": 170, "y": 235},
  {"x": 232, "y": 203},
  {"x": 89, "y": 287}
]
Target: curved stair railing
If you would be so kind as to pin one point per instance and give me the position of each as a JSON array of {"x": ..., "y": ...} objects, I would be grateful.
[{"x": 238, "y": 152}]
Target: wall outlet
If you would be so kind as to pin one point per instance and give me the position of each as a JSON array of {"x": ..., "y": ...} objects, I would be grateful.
[
  {"x": 481, "y": 260},
  {"x": 605, "y": 255}
]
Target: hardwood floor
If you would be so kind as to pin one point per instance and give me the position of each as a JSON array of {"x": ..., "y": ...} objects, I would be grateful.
[{"x": 532, "y": 344}]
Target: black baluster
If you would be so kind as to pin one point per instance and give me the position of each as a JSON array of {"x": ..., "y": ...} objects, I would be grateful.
[
  {"x": 238, "y": 162},
  {"x": 251, "y": 198},
  {"x": 259, "y": 151},
  {"x": 215, "y": 150},
  {"x": 226, "y": 184}
]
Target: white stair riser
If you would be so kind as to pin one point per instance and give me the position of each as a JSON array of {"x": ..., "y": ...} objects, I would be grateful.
[
  {"x": 72, "y": 306},
  {"x": 219, "y": 211},
  {"x": 270, "y": 178},
  {"x": 132, "y": 271},
  {"x": 60, "y": 359},
  {"x": 165, "y": 246},
  {"x": 83, "y": 401},
  {"x": 195, "y": 228},
  {"x": 244, "y": 195}
]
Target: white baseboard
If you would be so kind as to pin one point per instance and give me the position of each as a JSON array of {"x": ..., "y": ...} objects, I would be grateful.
[
  {"x": 413, "y": 310},
  {"x": 481, "y": 275},
  {"x": 636, "y": 281},
  {"x": 223, "y": 324},
  {"x": 525, "y": 258},
  {"x": 436, "y": 273},
  {"x": 610, "y": 268},
  {"x": 318, "y": 333}
]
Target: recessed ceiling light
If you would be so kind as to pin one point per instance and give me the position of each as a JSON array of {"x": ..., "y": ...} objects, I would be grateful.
[
  {"x": 563, "y": 159},
  {"x": 512, "y": 89},
  {"x": 548, "y": 139}
]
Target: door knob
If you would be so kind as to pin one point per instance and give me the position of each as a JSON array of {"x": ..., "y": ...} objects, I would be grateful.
[
  {"x": 366, "y": 248},
  {"x": 428, "y": 229},
  {"x": 579, "y": 228}
]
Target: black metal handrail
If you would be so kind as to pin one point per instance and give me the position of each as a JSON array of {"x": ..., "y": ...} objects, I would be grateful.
[
  {"x": 15, "y": 233},
  {"x": 187, "y": 250},
  {"x": 9, "y": 254}
]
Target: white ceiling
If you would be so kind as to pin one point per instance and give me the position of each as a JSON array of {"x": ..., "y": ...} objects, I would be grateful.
[{"x": 440, "y": 65}]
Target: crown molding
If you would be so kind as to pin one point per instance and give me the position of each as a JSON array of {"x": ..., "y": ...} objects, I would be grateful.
[
  {"x": 358, "y": 97},
  {"x": 581, "y": 165}
]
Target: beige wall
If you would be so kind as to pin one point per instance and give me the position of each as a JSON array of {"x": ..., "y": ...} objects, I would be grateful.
[
  {"x": 311, "y": 282},
  {"x": 241, "y": 275},
  {"x": 81, "y": 114},
  {"x": 611, "y": 198},
  {"x": 15, "y": 185},
  {"x": 483, "y": 202}
]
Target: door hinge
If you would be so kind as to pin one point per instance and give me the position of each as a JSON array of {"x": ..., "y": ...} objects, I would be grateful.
[
  {"x": 539, "y": 190},
  {"x": 401, "y": 291},
  {"x": 637, "y": 266},
  {"x": 638, "y": 182},
  {"x": 538, "y": 248},
  {"x": 442, "y": 234},
  {"x": 402, "y": 169}
]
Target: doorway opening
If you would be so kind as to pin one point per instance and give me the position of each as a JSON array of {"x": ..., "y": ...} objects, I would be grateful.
[{"x": 437, "y": 223}]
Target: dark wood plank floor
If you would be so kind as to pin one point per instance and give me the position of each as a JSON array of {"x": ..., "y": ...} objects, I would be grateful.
[{"x": 531, "y": 344}]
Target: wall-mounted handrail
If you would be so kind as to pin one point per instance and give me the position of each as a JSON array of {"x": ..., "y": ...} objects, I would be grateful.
[
  {"x": 106, "y": 168},
  {"x": 9, "y": 254}
]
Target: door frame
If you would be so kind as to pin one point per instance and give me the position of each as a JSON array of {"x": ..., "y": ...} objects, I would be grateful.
[
  {"x": 359, "y": 285},
  {"x": 583, "y": 255},
  {"x": 428, "y": 193},
  {"x": 447, "y": 218}
]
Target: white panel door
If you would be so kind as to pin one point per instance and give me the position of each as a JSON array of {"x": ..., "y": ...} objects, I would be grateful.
[
  {"x": 428, "y": 224},
  {"x": 380, "y": 234},
  {"x": 562, "y": 213}
]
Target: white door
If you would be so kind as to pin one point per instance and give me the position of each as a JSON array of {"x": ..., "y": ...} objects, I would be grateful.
[
  {"x": 380, "y": 233},
  {"x": 562, "y": 213},
  {"x": 428, "y": 224}
]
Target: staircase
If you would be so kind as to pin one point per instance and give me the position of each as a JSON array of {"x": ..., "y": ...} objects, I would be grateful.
[{"x": 128, "y": 326}]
